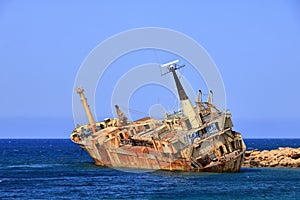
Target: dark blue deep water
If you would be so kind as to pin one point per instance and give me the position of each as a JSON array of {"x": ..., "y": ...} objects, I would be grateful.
[{"x": 56, "y": 169}]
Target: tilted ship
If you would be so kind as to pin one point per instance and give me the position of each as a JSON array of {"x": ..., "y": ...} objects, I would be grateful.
[{"x": 195, "y": 138}]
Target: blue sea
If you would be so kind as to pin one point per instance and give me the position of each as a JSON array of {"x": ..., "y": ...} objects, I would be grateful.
[{"x": 58, "y": 169}]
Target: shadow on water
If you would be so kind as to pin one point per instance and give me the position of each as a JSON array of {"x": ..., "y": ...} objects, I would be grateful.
[{"x": 182, "y": 173}]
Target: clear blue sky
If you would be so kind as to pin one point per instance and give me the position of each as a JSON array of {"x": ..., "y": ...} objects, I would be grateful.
[{"x": 255, "y": 45}]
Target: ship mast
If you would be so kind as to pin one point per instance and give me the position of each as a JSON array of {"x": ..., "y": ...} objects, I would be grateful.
[
  {"x": 123, "y": 119},
  {"x": 86, "y": 107},
  {"x": 188, "y": 110}
]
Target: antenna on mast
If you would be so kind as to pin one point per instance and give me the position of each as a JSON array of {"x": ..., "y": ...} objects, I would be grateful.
[{"x": 169, "y": 67}]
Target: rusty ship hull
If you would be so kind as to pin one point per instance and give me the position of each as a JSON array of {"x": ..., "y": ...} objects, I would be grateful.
[
  {"x": 139, "y": 158},
  {"x": 196, "y": 138}
]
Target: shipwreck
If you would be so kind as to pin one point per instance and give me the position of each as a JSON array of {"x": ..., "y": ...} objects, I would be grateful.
[{"x": 195, "y": 138}]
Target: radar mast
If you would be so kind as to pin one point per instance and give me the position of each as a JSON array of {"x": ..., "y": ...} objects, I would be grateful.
[{"x": 187, "y": 108}]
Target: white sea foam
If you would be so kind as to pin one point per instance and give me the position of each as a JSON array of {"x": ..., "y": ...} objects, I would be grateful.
[{"x": 32, "y": 166}]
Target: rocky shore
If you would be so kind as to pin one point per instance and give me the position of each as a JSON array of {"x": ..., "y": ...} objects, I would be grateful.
[{"x": 281, "y": 157}]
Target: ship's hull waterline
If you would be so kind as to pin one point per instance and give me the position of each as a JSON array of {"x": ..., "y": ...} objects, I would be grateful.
[{"x": 144, "y": 162}]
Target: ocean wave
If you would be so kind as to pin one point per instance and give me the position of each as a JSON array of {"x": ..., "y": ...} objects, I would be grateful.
[{"x": 49, "y": 165}]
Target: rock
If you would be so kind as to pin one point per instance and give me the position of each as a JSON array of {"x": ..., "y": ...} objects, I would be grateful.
[
  {"x": 274, "y": 163},
  {"x": 255, "y": 153},
  {"x": 264, "y": 163},
  {"x": 295, "y": 156},
  {"x": 248, "y": 153},
  {"x": 264, "y": 152},
  {"x": 281, "y": 157},
  {"x": 283, "y": 163},
  {"x": 254, "y": 163}
]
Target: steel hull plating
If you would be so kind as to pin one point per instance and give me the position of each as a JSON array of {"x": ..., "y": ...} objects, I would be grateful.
[{"x": 145, "y": 158}]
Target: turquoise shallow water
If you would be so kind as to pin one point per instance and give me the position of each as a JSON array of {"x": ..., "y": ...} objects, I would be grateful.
[{"x": 55, "y": 169}]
